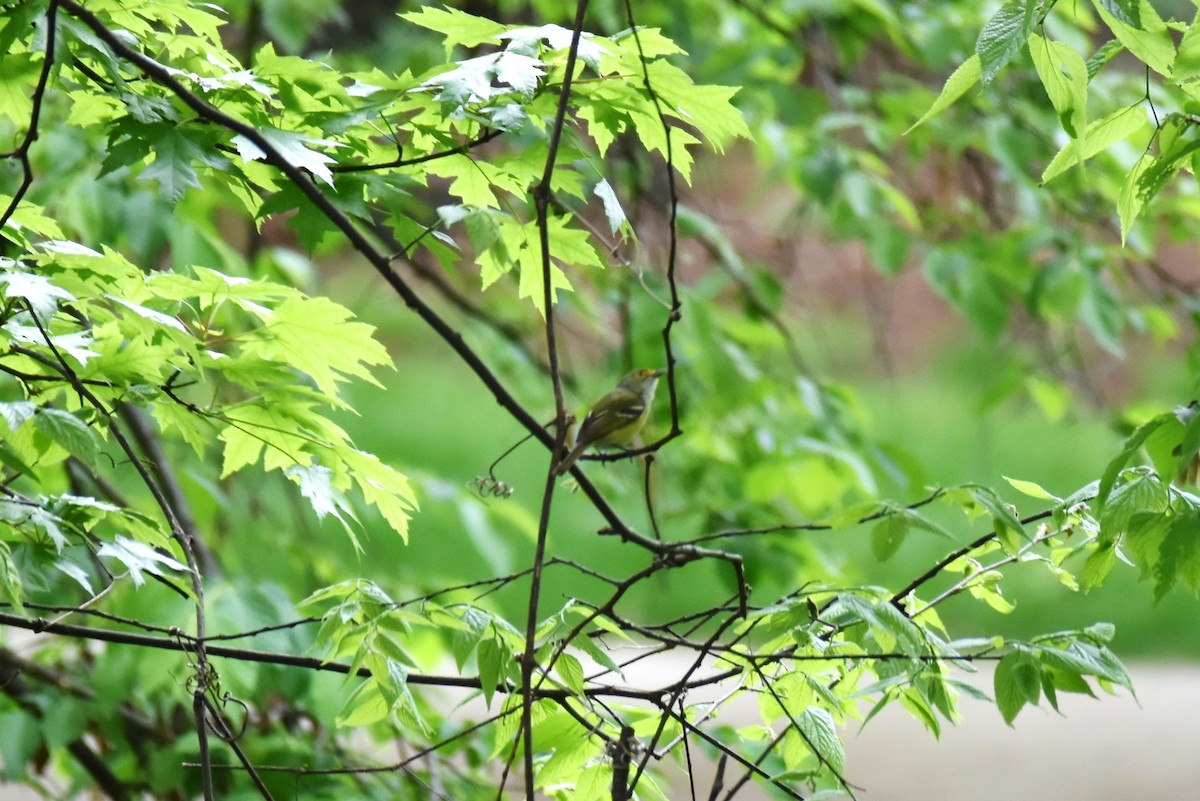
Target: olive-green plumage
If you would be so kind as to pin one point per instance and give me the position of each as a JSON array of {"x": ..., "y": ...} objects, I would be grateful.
[{"x": 617, "y": 417}]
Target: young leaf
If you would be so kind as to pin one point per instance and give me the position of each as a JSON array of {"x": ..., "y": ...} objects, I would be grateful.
[
  {"x": 139, "y": 558},
  {"x": 888, "y": 534},
  {"x": 1017, "y": 682},
  {"x": 1004, "y": 34},
  {"x": 612, "y": 208},
  {"x": 821, "y": 733},
  {"x": 1127, "y": 11},
  {"x": 1121, "y": 124},
  {"x": 1132, "y": 445},
  {"x": 963, "y": 78},
  {"x": 38, "y": 292},
  {"x": 1148, "y": 38},
  {"x": 1031, "y": 489},
  {"x": 75, "y": 436},
  {"x": 1064, "y": 76}
]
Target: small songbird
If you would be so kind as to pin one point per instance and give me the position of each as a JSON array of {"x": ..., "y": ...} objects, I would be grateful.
[{"x": 617, "y": 417}]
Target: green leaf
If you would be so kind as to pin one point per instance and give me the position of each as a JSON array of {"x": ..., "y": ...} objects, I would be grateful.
[
  {"x": 382, "y": 486},
  {"x": 1031, "y": 489},
  {"x": 1186, "y": 67},
  {"x": 1132, "y": 445},
  {"x": 1003, "y": 35},
  {"x": 1099, "y": 564},
  {"x": 366, "y": 705},
  {"x": 1148, "y": 39},
  {"x": 18, "y": 77},
  {"x": 1104, "y": 54},
  {"x": 139, "y": 558},
  {"x": 1179, "y": 556},
  {"x": 1064, "y": 75},
  {"x": 1017, "y": 682},
  {"x": 458, "y": 27},
  {"x": 75, "y": 436},
  {"x": 963, "y": 78},
  {"x": 1076, "y": 655},
  {"x": 490, "y": 656},
  {"x": 570, "y": 670},
  {"x": 1008, "y": 527},
  {"x": 10, "y": 579},
  {"x": 1157, "y": 174},
  {"x": 1127, "y": 11},
  {"x": 175, "y": 150},
  {"x": 313, "y": 335},
  {"x": 1130, "y": 204},
  {"x": 1100, "y": 135},
  {"x": 890, "y": 627},
  {"x": 37, "y": 290},
  {"x": 708, "y": 109},
  {"x": 888, "y": 535},
  {"x": 820, "y": 733}
]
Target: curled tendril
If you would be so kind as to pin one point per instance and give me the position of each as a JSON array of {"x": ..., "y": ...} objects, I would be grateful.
[
  {"x": 226, "y": 731},
  {"x": 490, "y": 487}
]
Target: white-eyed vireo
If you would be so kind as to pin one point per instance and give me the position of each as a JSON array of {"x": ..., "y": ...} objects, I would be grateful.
[{"x": 616, "y": 418}]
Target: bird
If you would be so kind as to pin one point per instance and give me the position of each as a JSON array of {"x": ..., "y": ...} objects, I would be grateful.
[{"x": 617, "y": 417}]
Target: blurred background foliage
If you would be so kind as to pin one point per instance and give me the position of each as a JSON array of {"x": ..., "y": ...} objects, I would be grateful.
[
  {"x": 971, "y": 321},
  {"x": 870, "y": 310}
]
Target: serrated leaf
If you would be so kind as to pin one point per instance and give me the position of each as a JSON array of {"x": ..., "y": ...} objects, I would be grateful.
[
  {"x": 1127, "y": 11},
  {"x": 821, "y": 734},
  {"x": 37, "y": 290},
  {"x": 382, "y": 486},
  {"x": 459, "y": 27},
  {"x": 366, "y": 705},
  {"x": 1064, "y": 75},
  {"x": 1008, "y": 526},
  {"x": 617, "y": 221},
  {"x": 963, "y": 78},
  {"x": 1004, "y": 34},
  {"x": 316, "y": 336},
  {"x": 1104, "y": 54},
  {"x": 1131, "y": 201},
  {"x": 174, "y": 151},
  {"x": 1085, "y": 659},
  {"x": 293, "y": 148},
  {"x": 65, "y": 429},
  {"x": 1101, "y": 134},
  {"x": 569, "y": 669},
  {"x": 139, "y": 558},
  {"x": 10, "y": 579},
  {"x": 1149, "y": 39},
  {"x": 709, "y": 109},
  {"x": 1017, "y": 682},
  {"x": 1132, "y": 445}
]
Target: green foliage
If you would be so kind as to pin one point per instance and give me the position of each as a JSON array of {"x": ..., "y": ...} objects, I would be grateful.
[{"x": 180, "y": 383}]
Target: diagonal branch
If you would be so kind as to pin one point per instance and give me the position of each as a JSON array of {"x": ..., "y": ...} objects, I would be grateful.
[{"x": 359, "y": 241}]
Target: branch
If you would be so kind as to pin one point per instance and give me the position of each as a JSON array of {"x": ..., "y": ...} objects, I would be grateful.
[
  {"x": 378, "y": 261},
  {"x": 24, "y": 696},
  {"x": 31, "y": 135},
  {"x": 542, "y": 194}
]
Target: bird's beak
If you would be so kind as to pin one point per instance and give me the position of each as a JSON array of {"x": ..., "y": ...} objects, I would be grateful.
[{"x": 658, "y": 373}]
